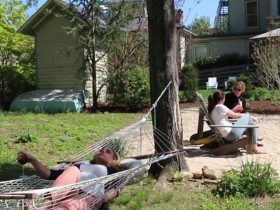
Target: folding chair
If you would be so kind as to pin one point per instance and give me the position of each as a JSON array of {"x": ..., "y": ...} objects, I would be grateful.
[
  {"x": 231, "y": 78},
  {"x": 212, "y": 83},
  {"x": 224, "y": 146}
]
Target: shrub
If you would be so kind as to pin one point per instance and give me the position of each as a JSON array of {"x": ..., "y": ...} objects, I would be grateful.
[
  {"x": 119, "y": 146},
  {"x": 260, "y": 94},
  {"x": 130, "y": 88},
  {"x": 232, "y": 59},
  {"x": 265, "y": 54},
  {"x": 205, "y": 63},
  {"x": 275, "y": 96},
  {"x": 254, "y": 179},
  {"x": 182, "y": 96},
  {"x": 12, "y": 85},
  {"x": 177, "y": 176},
  {"x": 191, "y": 84},
  {"x": 25, "y": 138},
  {"x": 230, "y": 84},
  {"x": 221, "y": 61}
]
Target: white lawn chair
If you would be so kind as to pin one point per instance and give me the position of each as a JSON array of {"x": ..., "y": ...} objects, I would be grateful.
[
  {"x": 232, "y": 78},
  {"x": 212, "y": 83}
]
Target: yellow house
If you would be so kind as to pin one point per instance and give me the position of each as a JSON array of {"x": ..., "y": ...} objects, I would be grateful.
[{"x": 61, "y": 72}]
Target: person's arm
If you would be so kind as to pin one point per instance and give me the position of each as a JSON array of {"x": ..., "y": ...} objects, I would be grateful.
[
  {"x": 43, "y": 170},
  {"x": 237, "y": 108},
  {"x": 236, "y": 115},
  {"x": 244, "y": 105},
  {"x": 226, "y": 112},
  {"x": 110, "y": 194},
  {"x": 233, "y": 114}
]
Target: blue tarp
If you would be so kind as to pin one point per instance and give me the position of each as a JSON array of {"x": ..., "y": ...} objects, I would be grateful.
[{"x": 50, "y": 101}]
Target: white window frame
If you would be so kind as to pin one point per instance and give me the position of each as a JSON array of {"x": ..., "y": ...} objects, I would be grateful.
[
  {"x": 195, "y": 50},
  {"x": 253, "y": 14}
]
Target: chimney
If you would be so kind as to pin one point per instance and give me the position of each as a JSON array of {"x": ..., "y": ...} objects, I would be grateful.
[{"x": 179, "y": 17}]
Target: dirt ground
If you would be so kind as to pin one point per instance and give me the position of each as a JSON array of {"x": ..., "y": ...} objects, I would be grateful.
[
  {"x": 268, "y": 128},
  {"x": 259, "y": 107}
]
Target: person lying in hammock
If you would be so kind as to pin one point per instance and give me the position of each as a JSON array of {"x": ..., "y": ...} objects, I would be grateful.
[{"x": 105, "y": 162}]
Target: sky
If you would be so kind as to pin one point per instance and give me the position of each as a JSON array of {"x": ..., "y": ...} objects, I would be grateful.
[
  {"x": 197, "y": 8},
  {"x": 192, "y": 9}
]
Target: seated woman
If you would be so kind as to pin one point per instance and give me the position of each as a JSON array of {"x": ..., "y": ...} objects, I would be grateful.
[
  {"x": 105, "y": 162},
  {"x": 234, "y": 99},
  {"x": 236, "y": 102},
  {"x": 220, "y": 113}
]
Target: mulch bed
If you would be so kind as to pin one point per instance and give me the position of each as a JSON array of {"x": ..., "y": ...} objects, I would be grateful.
[
  {"x": 260, "y": 107},
  {"x": 264, "y": 107}
]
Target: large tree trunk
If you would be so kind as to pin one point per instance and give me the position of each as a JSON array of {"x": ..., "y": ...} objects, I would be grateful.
[
  {"x": 163, "y": 69},
  {"x": 94, "y": 80}
]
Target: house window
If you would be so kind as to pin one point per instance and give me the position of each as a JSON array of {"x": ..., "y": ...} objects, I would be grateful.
[
  {"x": 200, "y": 51},
  {"x": 252, "y": 14}
]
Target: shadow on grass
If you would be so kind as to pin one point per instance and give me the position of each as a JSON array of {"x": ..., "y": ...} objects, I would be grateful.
[{"x": 10, "y": 171}]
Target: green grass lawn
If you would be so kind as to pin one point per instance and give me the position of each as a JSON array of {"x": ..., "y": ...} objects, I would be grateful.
[
  {"x": 53, "y": 137},
  {"x": 205, "y": 93},
  {"x": 185, "y": 196},
  {"x": 58, "y": 136}
]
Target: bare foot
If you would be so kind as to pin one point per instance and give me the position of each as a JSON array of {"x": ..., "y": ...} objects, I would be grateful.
[{"x": 256, "y": 151}]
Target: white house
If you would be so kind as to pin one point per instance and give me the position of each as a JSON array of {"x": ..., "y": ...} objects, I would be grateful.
[{"x": 236, "y": 22}]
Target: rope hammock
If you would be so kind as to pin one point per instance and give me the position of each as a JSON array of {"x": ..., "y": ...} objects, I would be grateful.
[{"x": 132, "y": 141}]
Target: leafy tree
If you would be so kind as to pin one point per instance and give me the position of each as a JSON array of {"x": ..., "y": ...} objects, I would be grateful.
[
  {"x": 16, "y": 50},
  {"x": 129, "y": 50},
  {"x": 127, "y": 55},
  {"x": 265, "y": 54},
  {"x": 200, "y": 25},
  {"x": 130, "y": 88},
  {"x": 105, "y": 30}
]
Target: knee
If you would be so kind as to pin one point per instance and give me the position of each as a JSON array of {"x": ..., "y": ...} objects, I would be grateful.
[
  {"x": 252, "y": 123},
  {"x": 73, "y": 169},
  {"x": 246, "y": 116}
]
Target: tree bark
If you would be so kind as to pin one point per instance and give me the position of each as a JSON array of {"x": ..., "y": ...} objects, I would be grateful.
[{"x": 163, "y": 69}]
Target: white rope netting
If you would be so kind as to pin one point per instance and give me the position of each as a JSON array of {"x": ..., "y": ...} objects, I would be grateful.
[{"x": 137, "y": 139}]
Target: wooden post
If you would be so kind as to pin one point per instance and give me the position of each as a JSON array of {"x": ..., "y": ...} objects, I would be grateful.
[
  {"x": 249, "y": 140},
  {"x": 249, "y": 149},
  {"x": 200, "y": 124}
]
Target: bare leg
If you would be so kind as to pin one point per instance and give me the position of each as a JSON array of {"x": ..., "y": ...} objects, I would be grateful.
[
  {"x": 79, "y": 203},
  {"x": 87, "y": 202},
  {"x": 71, "y": 175}
]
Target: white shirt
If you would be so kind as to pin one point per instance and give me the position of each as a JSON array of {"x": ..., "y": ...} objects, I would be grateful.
[
  {"x": 219, "y": 117},
  {"x": 92, "y": 171}
]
